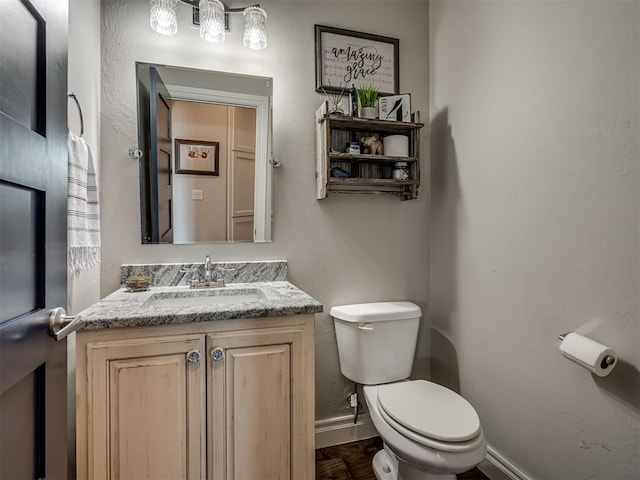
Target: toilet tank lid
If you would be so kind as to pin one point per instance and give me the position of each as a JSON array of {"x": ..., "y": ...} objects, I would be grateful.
[{"x": 376, "y": 312}]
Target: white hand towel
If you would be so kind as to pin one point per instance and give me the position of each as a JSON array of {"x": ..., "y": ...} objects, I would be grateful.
[{"x": 83, "y": 211}]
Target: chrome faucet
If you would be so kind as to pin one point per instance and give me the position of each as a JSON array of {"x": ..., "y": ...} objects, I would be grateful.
[
  {"x": 207, "y": 269},
  {"x": 200, "y": 280},
  {"x": 207, "y": 280}
]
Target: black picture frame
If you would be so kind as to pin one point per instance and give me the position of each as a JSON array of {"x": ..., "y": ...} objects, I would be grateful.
[
  {"x": 195, "y": 157},
  {"x": 346, "y": 57}
]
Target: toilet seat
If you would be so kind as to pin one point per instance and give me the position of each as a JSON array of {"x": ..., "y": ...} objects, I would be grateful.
[{"x": 431, "y": 415}]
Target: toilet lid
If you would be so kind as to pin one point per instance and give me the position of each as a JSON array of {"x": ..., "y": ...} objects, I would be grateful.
[{"x": 430, "y": 410}]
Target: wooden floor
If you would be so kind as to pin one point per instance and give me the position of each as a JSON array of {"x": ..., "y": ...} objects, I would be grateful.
[{"x": 352, "y": 461}]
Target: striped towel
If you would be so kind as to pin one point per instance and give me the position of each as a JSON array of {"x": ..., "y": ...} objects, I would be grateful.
[{"x": 83, "y": 212}]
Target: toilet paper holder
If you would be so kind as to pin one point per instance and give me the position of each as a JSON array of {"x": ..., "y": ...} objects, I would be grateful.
[{"x": 607, "y": 361}]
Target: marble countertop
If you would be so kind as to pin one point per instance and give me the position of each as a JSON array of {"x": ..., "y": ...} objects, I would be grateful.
[{"x": 123, "y": 309}]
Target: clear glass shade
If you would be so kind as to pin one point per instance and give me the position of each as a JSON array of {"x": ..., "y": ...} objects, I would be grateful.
[
  {"x": 212, "y": 21},
  {"x": 163, "y": 18},
  {"x": 255, "y": 28}
]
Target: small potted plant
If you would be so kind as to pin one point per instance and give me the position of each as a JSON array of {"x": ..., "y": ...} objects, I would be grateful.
[{"x": 367, "y": 97}]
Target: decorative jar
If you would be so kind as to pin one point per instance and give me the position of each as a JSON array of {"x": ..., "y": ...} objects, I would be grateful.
[{"x": 400, "y": 171}]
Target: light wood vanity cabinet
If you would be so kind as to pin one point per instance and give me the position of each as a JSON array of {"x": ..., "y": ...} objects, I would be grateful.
[
  {"x": 223, "y": 400},
  {"x": 144, "y": 408}
]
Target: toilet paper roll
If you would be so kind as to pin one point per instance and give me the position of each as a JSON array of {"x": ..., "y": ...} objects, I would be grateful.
[
  {"x": 595, "y": 357},
  {"x": 396, "y": 145}
]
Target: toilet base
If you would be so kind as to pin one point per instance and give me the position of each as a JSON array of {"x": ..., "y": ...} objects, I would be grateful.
[
  {"x": 387, "y": 467},
  {"x": 382, "y": 467}
]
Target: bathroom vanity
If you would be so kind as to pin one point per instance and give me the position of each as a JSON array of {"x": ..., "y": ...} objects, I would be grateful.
[{"x": 176, "y": 382}]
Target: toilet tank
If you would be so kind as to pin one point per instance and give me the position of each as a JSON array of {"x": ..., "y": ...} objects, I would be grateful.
[{"x": 376, "y": 341}]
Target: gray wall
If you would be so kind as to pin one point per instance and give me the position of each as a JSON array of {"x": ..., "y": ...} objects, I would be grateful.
[
  {"x": 535, "y": 216},
  {"x": 84, "y": 81},
  {"x": 343, "y": 249}
]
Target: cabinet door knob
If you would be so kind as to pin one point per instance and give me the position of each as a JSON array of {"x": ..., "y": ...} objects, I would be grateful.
[
  {"x": 193, "y": 356},
  {"x": 217, "y": 354}
]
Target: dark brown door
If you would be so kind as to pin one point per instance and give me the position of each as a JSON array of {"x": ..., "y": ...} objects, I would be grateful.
[
  {"x": 161, "y": 137},
  {"x": 156, "y": 183},
  {"x": 33, "y": 186}
]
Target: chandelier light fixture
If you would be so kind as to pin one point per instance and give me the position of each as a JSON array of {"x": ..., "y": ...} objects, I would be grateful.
[
  {"x": 255, "y": 28},
  {"x": 212, "y": 24},
  {"x": 163, "y": 18},
  {"x": 212, "y": 17}
]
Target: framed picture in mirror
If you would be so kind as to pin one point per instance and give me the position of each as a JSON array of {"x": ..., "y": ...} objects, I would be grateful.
[{"x": 195, "y": 157}]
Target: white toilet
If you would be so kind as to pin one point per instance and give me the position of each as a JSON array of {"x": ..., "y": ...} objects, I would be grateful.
[{"x": 429, "y": 432}]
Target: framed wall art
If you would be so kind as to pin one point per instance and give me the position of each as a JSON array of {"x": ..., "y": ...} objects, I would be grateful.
[
  {"x": 396, "y": 108},
  {"x": 345, "y": 58},
  {"x": 196, "y": 157}
]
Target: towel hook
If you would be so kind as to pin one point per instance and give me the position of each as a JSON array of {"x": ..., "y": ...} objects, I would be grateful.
[{"x": 75, "y": 99}]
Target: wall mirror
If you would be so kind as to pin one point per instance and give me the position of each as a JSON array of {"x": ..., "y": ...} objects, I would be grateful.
[{"x": 205, "y": 136}]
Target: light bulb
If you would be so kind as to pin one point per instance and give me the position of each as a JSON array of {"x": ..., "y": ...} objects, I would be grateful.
[
  {"x": 255, "y": 28},
  {"x": 212, "y": 21},
  {"x": 162, "y": 17}
]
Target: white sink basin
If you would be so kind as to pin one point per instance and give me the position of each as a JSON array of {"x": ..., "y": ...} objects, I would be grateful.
[{"x": 201, "y": 298}]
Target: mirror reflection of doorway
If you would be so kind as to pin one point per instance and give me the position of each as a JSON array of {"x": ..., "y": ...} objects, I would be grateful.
[
  {"x": 155, "y": 167},
  {"x": 241, "y": 174},
  {"x": 184, "y": 198},
  {"x": 215, "y": 208},
  {"x": 161, "y": 143}
]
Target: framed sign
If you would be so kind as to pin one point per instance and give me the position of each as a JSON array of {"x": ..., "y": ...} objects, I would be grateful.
[
  {"x": 345, "y": 58},
  {"x": 395, "y": 107},
  {"x": 197, "y": 158}
]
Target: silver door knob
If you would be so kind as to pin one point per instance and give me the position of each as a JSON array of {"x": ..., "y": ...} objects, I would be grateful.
[
  {"x": 61, "y": 324},
  {"x": 193, "y": 356},
  {"x": 217, "y": 354}
]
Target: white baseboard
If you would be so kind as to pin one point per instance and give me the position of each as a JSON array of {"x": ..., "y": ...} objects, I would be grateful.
[
  {"x": 498, "y": 467},
  {"x": 339, "y": 430}
]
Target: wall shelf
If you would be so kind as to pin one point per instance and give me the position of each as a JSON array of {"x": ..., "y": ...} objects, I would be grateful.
[
  {"x": 369, "y": 174},
  {"x": 359, "y": 157},
  {"x": 371, "y": 181}
]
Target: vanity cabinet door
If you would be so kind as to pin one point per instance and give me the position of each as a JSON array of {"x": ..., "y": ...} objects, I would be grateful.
[
  {"x": 260, "y": 411},
  {"x": 146, "y": 408}
]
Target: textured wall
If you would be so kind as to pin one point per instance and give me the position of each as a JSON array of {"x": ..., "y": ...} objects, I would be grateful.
[
  {"x": 535, "y": 216},
  {"x": 84, "y": 81},
  {"x": 341, "y": 250}
]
